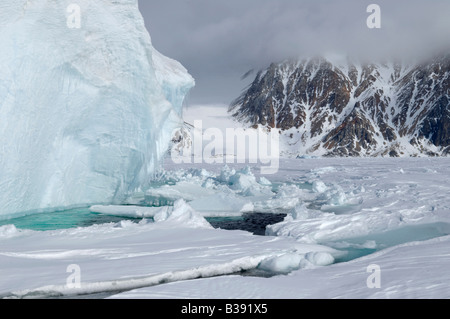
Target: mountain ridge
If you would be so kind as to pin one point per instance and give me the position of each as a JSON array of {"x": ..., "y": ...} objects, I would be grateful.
[{"x": 340, "y": 107}]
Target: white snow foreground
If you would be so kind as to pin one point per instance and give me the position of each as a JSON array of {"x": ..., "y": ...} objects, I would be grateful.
[
  {"x": 87, "y": 111},
  {"x": 111, "y": 258},
  {"x": 411, "y": 271},
  {"x": 398, "y": 207},
  {"x": 395, "y": 209}
]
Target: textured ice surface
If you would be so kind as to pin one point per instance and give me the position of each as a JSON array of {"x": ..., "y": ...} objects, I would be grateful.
[
  {"x": 393, "y": 209},
  {"x": 412, "y": 271},
  {"x": 85, "y": 113},
  {"x": 128, "y": 210},
  {"x": 183, "y": 214},
  {"x": 122, "y": 256},
  {"x": 392, "y": 206}
]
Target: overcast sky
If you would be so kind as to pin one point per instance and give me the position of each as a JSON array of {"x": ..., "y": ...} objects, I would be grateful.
[{"x": 219, "y": 41}]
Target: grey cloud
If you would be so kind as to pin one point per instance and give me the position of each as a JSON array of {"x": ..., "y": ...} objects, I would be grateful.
[{"x": 219, "y": 41}]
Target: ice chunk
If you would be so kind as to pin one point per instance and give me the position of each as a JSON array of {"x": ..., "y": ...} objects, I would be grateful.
[
  {"x": 264, "y": 181},
  {"x": 128, "y": 211},
  {"x": 225, "y": 174},
  {"x": 222, "y": 204},
  {"x": 301, "y": 212},
  {"x": 289, "y": 262},
  {"x": 86, "y": 113},
  {"x": 182, "y": 215},
  {"x": 287, "y": 198},
  {"x": 168, "y": 194},
  {"x": 338, "y": 198},
  {"x": 228, "y": 194},
  {"x": 8, "y": 231},
  {"x": 320, "y": 258},
  {"x": 283, "y": 264},
  {"x": 244, "y": 182},
  {"x": 321, "y": 227},
  {"x": 319, "y": 187}
]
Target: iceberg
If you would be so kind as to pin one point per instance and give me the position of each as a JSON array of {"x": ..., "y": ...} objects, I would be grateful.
[{"x": 87, "y": 110}]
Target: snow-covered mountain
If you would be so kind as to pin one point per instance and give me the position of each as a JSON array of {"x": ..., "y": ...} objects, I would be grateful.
[{"x": 340, "y": 107}]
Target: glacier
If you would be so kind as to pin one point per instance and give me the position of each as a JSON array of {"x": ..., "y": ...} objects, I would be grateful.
[
  {"x": 391, "y": 212},
  {"x": 86, "y": 113}
]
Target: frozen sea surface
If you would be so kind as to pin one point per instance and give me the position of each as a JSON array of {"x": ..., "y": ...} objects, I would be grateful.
[
  {"x": 254, "y": 223},
  {"x": 341, "y": 216}
]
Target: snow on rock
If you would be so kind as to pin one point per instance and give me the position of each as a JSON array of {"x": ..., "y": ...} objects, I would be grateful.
[
  {"x": 325, "y": 107},
  {"x": 86, "y": 113}
]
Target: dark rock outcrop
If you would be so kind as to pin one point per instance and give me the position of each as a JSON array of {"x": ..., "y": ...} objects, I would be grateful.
[{"x": 343, "y": 108}]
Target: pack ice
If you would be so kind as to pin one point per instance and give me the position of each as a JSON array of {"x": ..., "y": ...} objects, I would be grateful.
[{"x": 86, "y": 113}]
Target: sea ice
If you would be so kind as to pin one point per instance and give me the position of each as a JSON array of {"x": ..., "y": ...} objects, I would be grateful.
[
  {"x": 389, "y": 214},
  {"x": 415, "y": 270},
  {"x": 183, "y": 214},
  {"x": 128, "y": 210},
  {"x": 122, "y": 256}
]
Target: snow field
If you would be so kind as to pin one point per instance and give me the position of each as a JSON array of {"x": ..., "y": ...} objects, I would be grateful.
[
  {"x": 416, "y": 270},
  {"x": 392, "y": 208},
  {"x": 117, "y": 257}
]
